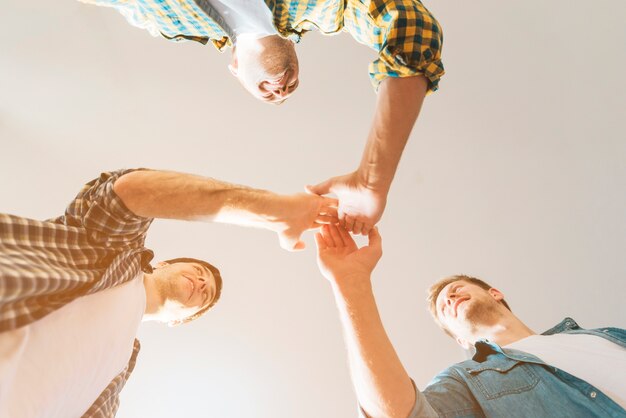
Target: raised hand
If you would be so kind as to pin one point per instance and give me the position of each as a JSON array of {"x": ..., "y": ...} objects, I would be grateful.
[
  {"x": 295, "y": 214},
  {"x": 360, "y": 207},
  {"x": 339, "y": 258}
]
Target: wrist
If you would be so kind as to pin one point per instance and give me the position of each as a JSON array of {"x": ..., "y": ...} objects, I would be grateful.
[
  {"x": 273, "y": 215},
  {"x": 368, "y": 178},
  {"x": 352, "y": 284},
  {"x": 245, "y": 206}
]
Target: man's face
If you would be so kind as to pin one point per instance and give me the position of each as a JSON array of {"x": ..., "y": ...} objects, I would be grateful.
[
  {"x": 186, "y": 288},
  {"x": 463, "y": 307},
  {"x": 266, "y": 67}
]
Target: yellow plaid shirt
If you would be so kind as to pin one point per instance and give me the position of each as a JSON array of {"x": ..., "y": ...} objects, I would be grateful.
[{"x": 405, "y": 34}]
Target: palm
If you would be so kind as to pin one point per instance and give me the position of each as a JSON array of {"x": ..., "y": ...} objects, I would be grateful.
[
  {"x": 360, "y": 207},
  {"x": 339, "y": 257}
]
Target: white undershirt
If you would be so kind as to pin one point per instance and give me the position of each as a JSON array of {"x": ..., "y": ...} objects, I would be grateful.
[
  {"x": 59, "y": 365},
  {"x": 246, "y": 17},
  {"x": 593, "y": 359}
]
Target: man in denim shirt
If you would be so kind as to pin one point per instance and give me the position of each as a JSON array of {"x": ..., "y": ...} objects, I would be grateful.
[{"x": 564, "y": 372}]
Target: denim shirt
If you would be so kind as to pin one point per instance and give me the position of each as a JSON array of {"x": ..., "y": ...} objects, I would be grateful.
[{"x": 499, "y": 382}]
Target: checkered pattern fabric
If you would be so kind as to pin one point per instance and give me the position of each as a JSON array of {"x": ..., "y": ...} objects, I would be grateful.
[
  {"x": 96, "y": 245},
  {"x": 176, "y": 20},
  {"x": 405, "y": 34}
]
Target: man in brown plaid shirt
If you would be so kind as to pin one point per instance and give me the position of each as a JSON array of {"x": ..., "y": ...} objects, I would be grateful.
[{"x": 74, "y": 289}]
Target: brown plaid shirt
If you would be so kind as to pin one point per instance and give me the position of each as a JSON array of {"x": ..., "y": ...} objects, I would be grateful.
[{"x": 44, "y": 265}]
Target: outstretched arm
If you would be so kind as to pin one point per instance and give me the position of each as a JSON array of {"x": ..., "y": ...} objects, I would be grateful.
[
  {"x": 363, "y": 193},
  {"x": 170, "y": 195},
  {"x": 382, "y": 385}
]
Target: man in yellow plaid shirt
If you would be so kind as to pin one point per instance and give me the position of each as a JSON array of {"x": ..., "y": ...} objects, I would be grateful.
[{"x": 406, "y": 36}]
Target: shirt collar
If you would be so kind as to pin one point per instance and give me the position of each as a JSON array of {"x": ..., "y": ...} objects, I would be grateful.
[{"x": 485, "y": 347}]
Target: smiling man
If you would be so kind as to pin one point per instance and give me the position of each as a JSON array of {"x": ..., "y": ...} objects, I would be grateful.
[
  {"x": 404, "y": 34},
  {"x": 74, "y": 289},
  {"x": 567, "y": 371}
]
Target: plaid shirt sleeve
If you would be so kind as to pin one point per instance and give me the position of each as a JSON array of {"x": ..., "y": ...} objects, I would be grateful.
[
  {"x": 405, "y": 34},
  {"x": 44, "y": 265},
  {"x": 180, "y": 20},
  {"x": 108, "y": 222}
]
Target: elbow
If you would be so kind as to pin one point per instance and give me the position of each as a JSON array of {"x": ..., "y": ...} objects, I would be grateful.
[{"x": 128, "y": 189}]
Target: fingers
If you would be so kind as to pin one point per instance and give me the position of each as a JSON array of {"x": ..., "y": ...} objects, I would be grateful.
[
  {"x": 328, "y": 235},
  {"x": 329, "y": 210},
  {"x": 341, "y": 218},
  {"x": 346, "y": 238},
  {"x": 319, "y": 241},
  {"x": 323, "y": 220},
  {"x": 336, "y": 236},
  {"x": 375, "y": 239},
  {"x": 348, "y": 222},
  {"x": 330, "y": 203},
  {"x": 357, "y": 228}
]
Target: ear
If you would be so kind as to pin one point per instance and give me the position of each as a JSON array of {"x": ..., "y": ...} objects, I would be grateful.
[
  {"x": 463, "y": 343},
  {"x": 496, "y": 294},
  {"x": 161, "y": 264}
]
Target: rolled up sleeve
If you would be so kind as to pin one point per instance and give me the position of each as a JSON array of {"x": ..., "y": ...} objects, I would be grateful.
[
  {"x": 421, "y": 408},
  {"x": 406, "y": 35},
  {"x": 107, "y": 220}
]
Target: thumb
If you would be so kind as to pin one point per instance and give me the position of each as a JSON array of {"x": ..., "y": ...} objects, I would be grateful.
[
  {"x": 290, "y": 243},
  {"x": 321, "y": 188},
  {"x": 375, "y": 240}
]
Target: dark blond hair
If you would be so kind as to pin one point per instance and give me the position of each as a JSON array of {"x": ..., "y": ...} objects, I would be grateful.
[
  {"x": 218, "y": 288},
  {"x": 435, "y": 289}
]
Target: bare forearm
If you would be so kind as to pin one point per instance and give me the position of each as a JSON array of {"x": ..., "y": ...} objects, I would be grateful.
[
  {"x": 397, "y": 108},
  {"x": 170, "y": 195},
  {"x": 383, "y": 386}
]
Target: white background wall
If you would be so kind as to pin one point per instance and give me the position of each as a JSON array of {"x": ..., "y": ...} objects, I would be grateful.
[{"x": 515, "y": 172}]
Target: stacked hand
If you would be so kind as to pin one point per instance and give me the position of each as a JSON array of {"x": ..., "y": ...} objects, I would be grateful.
[
  {"x": 360, "y": 207},
  {"x": 339, "y": 258},
  {"x": 298, "y": 213}
]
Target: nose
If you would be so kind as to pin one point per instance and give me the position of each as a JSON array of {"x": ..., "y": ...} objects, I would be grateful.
[
  {"x": 280, "y": 91},
  {"x": 450, "y": 299},
  {"x": 201, "y": 283}
]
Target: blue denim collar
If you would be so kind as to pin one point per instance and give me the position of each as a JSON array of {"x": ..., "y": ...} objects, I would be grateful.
[
  {"x": 565, "y": 325},
  {"x": 485, "y": 347}
]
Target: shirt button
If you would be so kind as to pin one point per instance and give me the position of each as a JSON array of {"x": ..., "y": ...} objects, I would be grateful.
[{"x": 593, "y": 394}]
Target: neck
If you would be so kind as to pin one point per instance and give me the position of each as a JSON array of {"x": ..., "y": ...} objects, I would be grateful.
[
  {"x": 506, "y": 330},
  {"x": 154, "y": 301}
]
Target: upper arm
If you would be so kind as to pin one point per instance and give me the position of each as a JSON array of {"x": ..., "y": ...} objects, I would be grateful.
[
  {"x": 449, "y": 396},
  {"x": 406, "y": 35},
  {"x": 103, "y": 214},
  {"x": 421, "y": 408}
]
